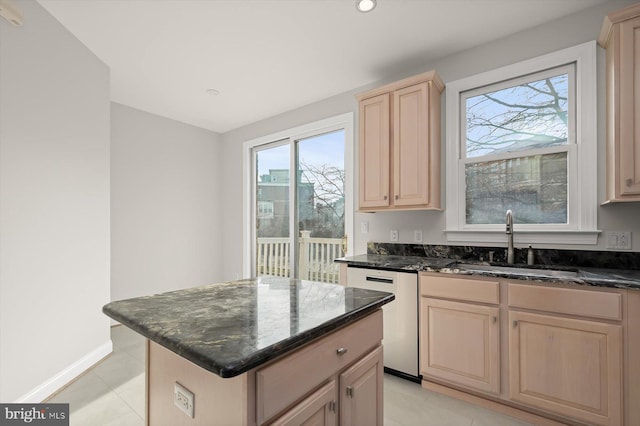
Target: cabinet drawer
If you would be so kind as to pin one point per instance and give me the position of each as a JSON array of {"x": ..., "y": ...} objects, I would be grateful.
[
  {"x": 285, "y": 381},
  {"x": 460, "y": 289},
  {"x": 586, "y": 303}
]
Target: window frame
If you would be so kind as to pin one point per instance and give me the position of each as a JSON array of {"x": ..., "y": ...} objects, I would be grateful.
[{"x": 581, "y": 226}]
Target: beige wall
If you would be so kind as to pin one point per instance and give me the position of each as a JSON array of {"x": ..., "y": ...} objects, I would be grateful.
[
  {"x": 54, "y": 206},
  {"x": 166, "y": 210},
  {"x": 569, "y": 31}
]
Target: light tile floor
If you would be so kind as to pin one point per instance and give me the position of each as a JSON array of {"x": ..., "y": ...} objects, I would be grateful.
[{"x": 112, "y": 394}]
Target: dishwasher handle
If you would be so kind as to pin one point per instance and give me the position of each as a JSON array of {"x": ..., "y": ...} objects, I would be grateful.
[{"x": 380, "y": 280}]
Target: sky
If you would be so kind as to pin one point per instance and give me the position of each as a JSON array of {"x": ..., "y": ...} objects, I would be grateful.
[{"x": 324, "y": 149}]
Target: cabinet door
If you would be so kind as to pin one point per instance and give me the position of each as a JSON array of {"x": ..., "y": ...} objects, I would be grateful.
[
  {"x": 318, "y": 409},
  {"x": 629, "y": 108},
  {"x": 566, "y": 366},
  {"x": 460, "y": 343},
  {"x": 374, "y": 152},
  {"x": 411, "y": 160},
  {"x": 361, "y": 392}
]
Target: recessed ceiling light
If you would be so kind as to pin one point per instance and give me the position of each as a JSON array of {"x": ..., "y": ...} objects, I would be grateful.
[
  {"x": 212, "y": 92},
  {"x": 365, "y": 5}
]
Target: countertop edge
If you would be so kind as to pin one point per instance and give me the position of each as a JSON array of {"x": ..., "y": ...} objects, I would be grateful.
[{"x": 271, "y": 352}]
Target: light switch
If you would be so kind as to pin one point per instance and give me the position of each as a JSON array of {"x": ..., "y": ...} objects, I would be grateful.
[{"x": 364, "y": 227}]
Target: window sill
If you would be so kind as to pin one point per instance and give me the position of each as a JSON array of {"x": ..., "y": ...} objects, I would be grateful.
[{"x": 525, "y": 237}]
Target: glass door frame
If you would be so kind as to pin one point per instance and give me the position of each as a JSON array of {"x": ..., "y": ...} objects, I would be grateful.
[{"x": 291, "y": 136}]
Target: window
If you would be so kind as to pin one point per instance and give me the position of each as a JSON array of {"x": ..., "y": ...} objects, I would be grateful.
[{"x": 523, "y": 137}]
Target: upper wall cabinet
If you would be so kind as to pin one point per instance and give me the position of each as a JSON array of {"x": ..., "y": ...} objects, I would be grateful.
[
  {"x": 620, "y": 35},
  {"x": 399, "y": 147}
]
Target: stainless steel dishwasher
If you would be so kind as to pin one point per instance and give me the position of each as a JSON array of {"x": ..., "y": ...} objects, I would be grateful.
[{"x": 400, "y": 317}]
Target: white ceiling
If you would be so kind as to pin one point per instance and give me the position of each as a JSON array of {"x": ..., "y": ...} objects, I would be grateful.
[{"x": 266, "y": 57}]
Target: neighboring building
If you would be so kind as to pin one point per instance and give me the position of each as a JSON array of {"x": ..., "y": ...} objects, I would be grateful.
[{"x": 273, "y": 203}]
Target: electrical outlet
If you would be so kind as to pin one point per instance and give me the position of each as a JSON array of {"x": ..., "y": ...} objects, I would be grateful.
[
  {"x": 184, "y": 399},
  {"x": 394, "y": 236},
  {"x": 417, "y": 236},
  {"x": 618, "y": 240}
]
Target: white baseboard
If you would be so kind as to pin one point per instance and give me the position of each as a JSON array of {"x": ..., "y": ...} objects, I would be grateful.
[{"x": 55, "y": 383}]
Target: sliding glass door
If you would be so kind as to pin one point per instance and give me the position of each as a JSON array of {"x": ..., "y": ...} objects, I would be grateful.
[{"x": 299, "y": 205}]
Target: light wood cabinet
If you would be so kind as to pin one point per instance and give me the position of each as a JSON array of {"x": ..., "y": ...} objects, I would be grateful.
[
  {"x": 620, "y": 35},
  {"x": 318, "y": 409},
  {"x": 399, "y": 145},
  {"x": 337, "y": 379},
  {"x": 563, "y": 351},
  {"x": 359, "y": 398},
  {"x": 361, "y": 392},
  {"x": 460, "y": 343},
  {"x": 572, "y": 367},
  {"x": 374, "y": 150},
  {"x": 567, "y": 366}
]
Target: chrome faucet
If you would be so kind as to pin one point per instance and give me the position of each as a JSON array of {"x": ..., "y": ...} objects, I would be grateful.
[{"x": 509, "y": 233}]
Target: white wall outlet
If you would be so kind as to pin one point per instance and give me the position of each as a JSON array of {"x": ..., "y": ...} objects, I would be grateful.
[
  {"x": 618, "y": 240},
  {"x": 417, "y": 236},
  {"x": 184, "y": 399},
  {"x": 394, "y": 235},
  {"x": 364, "y": 227}
]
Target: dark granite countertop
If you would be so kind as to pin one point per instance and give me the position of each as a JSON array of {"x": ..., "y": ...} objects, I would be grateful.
[
  {"x": 230, "y": 328},
  {"x": 597, "y": 277},
  {"x": 397, "y": 263}
]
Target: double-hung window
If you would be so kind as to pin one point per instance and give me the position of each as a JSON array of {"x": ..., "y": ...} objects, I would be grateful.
[{"x": 523, "y": 138}]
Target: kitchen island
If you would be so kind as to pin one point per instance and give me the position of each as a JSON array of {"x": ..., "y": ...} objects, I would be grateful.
[{"x": 257, "y": 351}]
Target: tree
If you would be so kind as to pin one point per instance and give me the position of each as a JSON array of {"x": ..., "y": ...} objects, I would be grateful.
[
  {"x": 523, "y": 117},
  {"x": 328, "y": 194}
]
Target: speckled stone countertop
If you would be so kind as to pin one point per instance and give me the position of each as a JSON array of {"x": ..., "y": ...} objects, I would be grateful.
[
  {"x": 598, "y": 277},
  {"x": 230, "y": 328},
  {"x": 398, "y": 263}
]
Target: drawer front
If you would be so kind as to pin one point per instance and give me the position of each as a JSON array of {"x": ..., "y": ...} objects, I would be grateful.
[
  {"x": 460, "y": 289},
  {"x": 586, "y": 303},
  {"x": 291, "y": 378}
]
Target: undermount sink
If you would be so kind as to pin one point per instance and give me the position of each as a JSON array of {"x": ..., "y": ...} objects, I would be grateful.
[{"x": 521, "y": 271}]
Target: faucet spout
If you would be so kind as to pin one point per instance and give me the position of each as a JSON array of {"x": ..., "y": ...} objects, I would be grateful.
[{"x": 509, "y": 232}]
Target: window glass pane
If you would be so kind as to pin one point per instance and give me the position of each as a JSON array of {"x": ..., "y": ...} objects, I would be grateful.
[
  {"x": 527, "y": 116},
  {"x": 321, "y": 196},
  {"x": 321, "y": 185},
  {"x": 273, "y": 249},
  {"x": 534, "y": 188},
  {"x": 272, "y": 173}
]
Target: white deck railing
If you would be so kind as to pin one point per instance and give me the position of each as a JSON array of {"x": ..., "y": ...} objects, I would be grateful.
[{"x": 315, "y": 255}]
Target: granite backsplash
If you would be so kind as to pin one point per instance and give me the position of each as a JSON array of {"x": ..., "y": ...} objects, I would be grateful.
[{"x": 550, "y": 257}]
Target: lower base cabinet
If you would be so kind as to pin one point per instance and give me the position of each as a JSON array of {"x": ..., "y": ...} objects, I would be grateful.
[
  {"x": 562, "y": 351},
  {"x": 361, "y": 392},
  {"x": 461, "y": 343},
  {"x": 319, "y": 409},
  {"x": 566, "y": 366},
  {"x": 334, "y": 380},
  {"x": 360, "y": 395}
]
